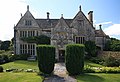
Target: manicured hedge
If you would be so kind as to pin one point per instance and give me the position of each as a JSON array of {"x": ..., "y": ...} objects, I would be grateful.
[
  {"x": 46, "y": 58},
  {"x": 74, "y": 58}
]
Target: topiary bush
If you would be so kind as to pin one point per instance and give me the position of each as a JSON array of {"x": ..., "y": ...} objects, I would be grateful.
[
  {"x": 74, "y": 58},
  {"x": 1, "y": 69},
  {"x": 46, "y": 58}
]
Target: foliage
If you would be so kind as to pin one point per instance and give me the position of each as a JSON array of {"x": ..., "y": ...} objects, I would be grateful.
[
  {"x": 109, "y": 58},
  {"x": 1, "y": 69},
  {"x": 21, "y": 56},
  {"x": 42, "y": 39},
  {"x": 90, "y": 48},
  {"x": 46, "y": 58},
  {"x": 111, "y": 61},
  {"x": 5, "y": 45},
  {"x": 112, "y": 45},
  {"x": 6, "y": 57},
  {"x": 74, "y": 58},
  {"x": 89, "y": 69},
  {"x": 97, "y": 60}
]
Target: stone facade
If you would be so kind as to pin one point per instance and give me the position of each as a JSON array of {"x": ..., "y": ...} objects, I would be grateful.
[{"x": 61, "y": 31}]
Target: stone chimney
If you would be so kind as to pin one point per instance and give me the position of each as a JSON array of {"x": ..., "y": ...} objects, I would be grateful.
[
  {"x": 48, "y": 15},
  {"x": 90, "y": 17}
]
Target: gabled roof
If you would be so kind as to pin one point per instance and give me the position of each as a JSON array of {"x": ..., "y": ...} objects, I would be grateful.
[
  {"x": 80, "y": 12},
  {"x": 27, "y": 16},
  {"x": 100, "y": 33},
  {"x": 51, "y": 23},
  {"x": 61, "y": 25}
]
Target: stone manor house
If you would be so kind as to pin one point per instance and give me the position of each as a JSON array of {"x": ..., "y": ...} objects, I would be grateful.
[{"x": 61, "y": 31}]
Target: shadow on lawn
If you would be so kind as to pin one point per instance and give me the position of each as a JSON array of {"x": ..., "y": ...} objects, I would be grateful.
[{"x": 89, "y": 78}]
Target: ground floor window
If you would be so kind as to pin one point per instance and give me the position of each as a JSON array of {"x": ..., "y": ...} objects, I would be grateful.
[{"x": 27, "y": 49}]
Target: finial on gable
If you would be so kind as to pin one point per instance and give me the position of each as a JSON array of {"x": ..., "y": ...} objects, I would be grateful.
[
  {"x": 62, "y": 15},
  {"x": 80, "y": 8},
  {"x": 100, "y": 27},
  {"x": 28, "y": 7}
]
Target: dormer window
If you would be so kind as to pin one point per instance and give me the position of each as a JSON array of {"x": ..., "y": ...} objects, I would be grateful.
[{"x": 28, "y": 22}]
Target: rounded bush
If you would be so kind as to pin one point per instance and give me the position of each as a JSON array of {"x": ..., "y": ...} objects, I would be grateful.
[
  {"x": 74, "y": 58},
  {"x": 1, "y": 69},
  {"x": 46, "y": 58}
]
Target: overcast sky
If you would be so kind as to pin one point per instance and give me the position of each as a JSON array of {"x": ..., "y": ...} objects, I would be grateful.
[{"x": 106, "y": 12}]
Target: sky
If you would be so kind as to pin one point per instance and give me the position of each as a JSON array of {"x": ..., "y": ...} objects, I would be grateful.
[{"x": 105, "y": 12}]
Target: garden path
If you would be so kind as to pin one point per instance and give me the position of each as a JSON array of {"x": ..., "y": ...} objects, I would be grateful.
[{"x": 60, "y": 74}]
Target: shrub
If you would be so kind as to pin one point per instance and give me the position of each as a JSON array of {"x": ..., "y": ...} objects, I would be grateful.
[
  {"x": 5, "y": 58},
  {"x": 88, "y": 69},
  {"x": 1, "y": 69},
  {"x": 74, "y": 58},
  {"x": 97, "y": 60},
  {"x": 46, "y": 58},
  {"x": 90, "y": 48},
  {"x": 110, "y": 61},
  {"x": 21, "y": 56}
]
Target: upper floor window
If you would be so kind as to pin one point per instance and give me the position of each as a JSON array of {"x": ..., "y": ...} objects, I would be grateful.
[
  {"x": 28, "y": 22},
  {"x": 79, "y": 40}
]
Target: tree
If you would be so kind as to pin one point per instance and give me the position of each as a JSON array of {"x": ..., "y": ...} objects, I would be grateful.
[{"x": 5, "y": 45}]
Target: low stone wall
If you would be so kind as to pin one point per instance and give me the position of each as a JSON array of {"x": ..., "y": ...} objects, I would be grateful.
[{"x": 109, "y": 53}]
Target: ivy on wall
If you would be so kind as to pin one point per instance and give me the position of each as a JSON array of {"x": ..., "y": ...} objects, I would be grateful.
[{"x": 42, "y": 39}]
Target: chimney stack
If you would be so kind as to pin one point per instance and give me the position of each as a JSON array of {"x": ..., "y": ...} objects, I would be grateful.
[
  {"x": 90, "y": 17},
  {"x": 48, "y": 15}
]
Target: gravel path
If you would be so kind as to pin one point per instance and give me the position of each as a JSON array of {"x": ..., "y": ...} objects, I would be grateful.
[{"x": 60, "y": 74}]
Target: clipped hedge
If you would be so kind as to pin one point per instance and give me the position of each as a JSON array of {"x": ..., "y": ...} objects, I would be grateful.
[
  {"x": 74, "y": 58},
  {"x": 46, "y": 58}
]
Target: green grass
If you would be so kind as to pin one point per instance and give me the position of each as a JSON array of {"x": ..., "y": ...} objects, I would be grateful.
[
  {"x": 92, "y": 64},
  {"x": 20, "y": 64},
  {"x": 98, "y": 77},
  {"x": 20, "y": 77}
]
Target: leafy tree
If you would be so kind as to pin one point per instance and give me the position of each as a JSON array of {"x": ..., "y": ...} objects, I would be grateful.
[
  {"x": 112, "y": 45},
  {"x": 5, "y": 45}
]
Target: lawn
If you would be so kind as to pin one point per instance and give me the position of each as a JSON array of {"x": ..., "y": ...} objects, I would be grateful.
[
  {"x": 21, "y": 76},
  {"x": 98, "y": 77},
  {"x": 33, "y": 77},
  {"x": 21, "y": 64},
  {"x": 92, "y": 64}
]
